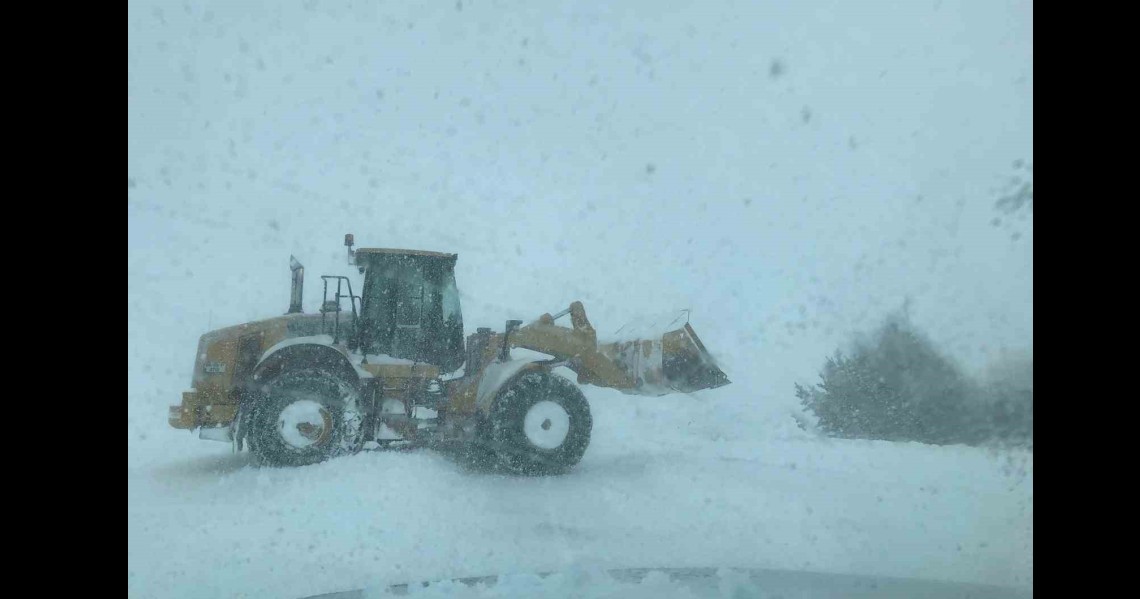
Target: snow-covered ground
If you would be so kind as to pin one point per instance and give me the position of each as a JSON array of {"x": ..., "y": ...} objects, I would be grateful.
[
  {"x": 667, "y": 482},
  {"x": 789, "y": 171}
]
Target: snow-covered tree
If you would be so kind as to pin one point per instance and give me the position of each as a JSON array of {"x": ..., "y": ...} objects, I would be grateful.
[{"x": 895, "y": 385}]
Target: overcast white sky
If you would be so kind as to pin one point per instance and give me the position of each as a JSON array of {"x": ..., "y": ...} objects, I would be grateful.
[{"x": 790, "y": 171}]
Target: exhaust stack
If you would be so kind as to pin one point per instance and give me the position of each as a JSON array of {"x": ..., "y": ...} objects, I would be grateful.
[{"x": 298, "y": 286}]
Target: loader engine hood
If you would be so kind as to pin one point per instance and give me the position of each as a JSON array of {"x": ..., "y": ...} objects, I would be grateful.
[{"x": 225, "y": 356}]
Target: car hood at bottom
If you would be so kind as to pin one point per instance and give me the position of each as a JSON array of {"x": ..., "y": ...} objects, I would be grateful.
[{"x": 732, "y": 583}]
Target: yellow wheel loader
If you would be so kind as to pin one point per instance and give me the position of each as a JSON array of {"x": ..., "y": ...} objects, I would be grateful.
[{"x": 390, "y": 367}]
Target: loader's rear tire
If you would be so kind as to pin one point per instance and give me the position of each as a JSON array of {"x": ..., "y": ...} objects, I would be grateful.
[
  {"x": 305, "y": 417},
  {"x": 539, "y": 425}
]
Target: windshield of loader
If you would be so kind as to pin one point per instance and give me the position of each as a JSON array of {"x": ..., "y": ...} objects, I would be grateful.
[{"x": 800, "y": 231}]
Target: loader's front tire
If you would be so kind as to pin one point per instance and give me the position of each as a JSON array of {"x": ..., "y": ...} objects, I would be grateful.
[
  {"x": 539, "y": 424},
  {"x": 305, "y": 417}
]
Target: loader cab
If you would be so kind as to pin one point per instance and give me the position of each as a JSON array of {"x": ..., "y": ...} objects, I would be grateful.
[{"x": 409, "y": 306}]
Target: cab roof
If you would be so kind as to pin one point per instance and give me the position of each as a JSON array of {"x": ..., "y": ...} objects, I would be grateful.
[{"x": 366, "y": 252}]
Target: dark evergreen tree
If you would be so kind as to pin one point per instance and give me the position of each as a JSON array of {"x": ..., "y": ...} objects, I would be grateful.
[{"x": 896, "y": 386}]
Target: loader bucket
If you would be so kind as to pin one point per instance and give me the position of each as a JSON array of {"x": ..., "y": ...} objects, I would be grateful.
[{"x": 677, "y": 362}]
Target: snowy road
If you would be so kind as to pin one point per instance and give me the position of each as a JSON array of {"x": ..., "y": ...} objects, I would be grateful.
[{"x": 683, "y": 481}]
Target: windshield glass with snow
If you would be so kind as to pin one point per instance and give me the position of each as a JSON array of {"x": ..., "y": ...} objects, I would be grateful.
[{"x": 667, "y": 298}]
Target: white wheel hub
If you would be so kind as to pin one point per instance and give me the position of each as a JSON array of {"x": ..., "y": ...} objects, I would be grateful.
[
  {"x": 304, "y": 423},
  {"x": 546, "y": 425}
]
